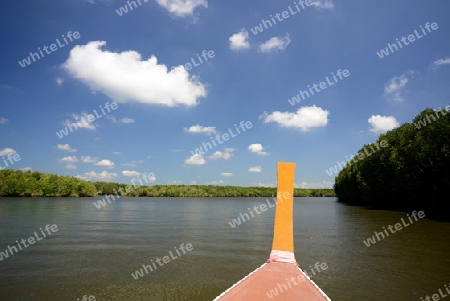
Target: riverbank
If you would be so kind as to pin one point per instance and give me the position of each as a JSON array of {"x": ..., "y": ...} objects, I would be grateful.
[{"x": 16, "y": 183}]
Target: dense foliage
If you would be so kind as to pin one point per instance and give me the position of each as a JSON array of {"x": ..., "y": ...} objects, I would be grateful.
[
  {"x": 36, "y": 184},
  {"x": 412, "y": 173},
  {"x": 18, "y": 183}
]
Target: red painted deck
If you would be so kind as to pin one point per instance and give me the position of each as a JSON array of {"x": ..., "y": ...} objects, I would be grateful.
[
  {"x": 280, "y": 279},
  {"x": 271, "y": 277}
]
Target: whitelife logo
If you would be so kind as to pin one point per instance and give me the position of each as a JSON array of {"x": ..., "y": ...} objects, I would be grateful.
[
  {"x": 84, "y": 122},
  {"x": 27, "y": 61},
  {"x": 13, "y": 250},
  {"x": 165, "y": 259},
  {"x": 371, "y": 240},
  {"x": 411, "y": 38}
]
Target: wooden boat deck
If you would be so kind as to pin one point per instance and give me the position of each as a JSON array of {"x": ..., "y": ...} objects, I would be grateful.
[
  {"x": 280, "y": 278},
  {"x": 261, "y": 284}
]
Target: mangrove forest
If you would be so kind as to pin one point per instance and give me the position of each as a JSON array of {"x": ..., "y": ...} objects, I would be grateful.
[{"x": 411, "y": 173}]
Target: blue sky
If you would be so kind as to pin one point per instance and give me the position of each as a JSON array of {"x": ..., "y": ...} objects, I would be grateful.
[{"x": 166, "y": 110}]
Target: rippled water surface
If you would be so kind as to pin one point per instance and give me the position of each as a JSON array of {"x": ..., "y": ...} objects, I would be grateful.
[{"x": 95, "y": 251}]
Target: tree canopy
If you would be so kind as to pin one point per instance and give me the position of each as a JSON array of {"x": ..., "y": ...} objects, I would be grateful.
[
  {"x": 36, "y": 184},
  {"x": 412, "y": 173}
]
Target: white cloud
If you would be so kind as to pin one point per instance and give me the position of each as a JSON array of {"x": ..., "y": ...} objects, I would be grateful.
[
  {"x": 105, "y": 163},
  {"x": 3, "y": 120},
  {"x": 323, "y": 4},
  {"x": 397, "y": 85},
  {"x": 175, "y": 182},
  {"x": 7, "y": 151},
  {"x": 382, "y": 124},
  {"x": 260, "y": 184},
  {"x": 25, "y": 169},
  {"x": 123, "y": 120},
  {"x": 222, "y": 155},
  {"x": 305, "y": 118},
  {"x": 81, "y": 121},
  {"x": 275, "y": 43},
  {"x": 151, "y": 177},
  {"x": 69, "y": 159},
  {"x": 125, "y": 77},
  {"x": 71, "y": 166},
  {"x": 66, "y": 147},
  {"x": 208, "y": 130},
  {"x": 227, "y": 174},
  {"x": 133, "y": 163},
  {"x": 323, "y": 184},
  {"x": 255, "y": 169},
  {"x": 131, "y": 173},
  {"x": 117, "y": 153},
  {"x": 216, "y": 182},
  {"x": 103, "y": 176},
  {"x": 93, "y": 1},
  {"x": 257, "y": 148},
  {"x": 239, "y": 40},
  {"x": 89, "y": 159},
  {"x": 59, "y": 81},
  {"x": 196, "y": 159},
  {"x": 440, "y": 62},
  {"x": 182, "y": 8}
]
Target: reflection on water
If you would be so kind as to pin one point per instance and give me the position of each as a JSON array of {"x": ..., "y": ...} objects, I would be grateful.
[{"x": 95, "y": 250}]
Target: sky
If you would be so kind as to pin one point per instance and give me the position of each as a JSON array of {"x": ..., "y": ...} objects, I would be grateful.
[{"x": 144, "y": 84}]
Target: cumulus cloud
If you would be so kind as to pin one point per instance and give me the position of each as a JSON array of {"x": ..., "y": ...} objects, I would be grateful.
[
  {"x": 196, "y": 159},
  {"x": 382, "y": 124},
  {"x": 89, "y": 159},
  {"x": 216, "y": 182},
  {"x": 59, "y": 81},
  {"x": 182, "y": 8},
  {"x": 314, "y": 185},
  {"x": 255, "y": 169},
  {"x": 81, "y": 121},
  {"x": 71, "y": 166},
  {"x": 105, "y": 163},
  {"x": 239, "y": 40},
  {"x": 130, "y": 173},
  {"x": 133, "y": 163},
  {"x": 149, "y": 178},
  {"x": 66, "y": 147},
  {"x": 25, "y": 169},
  {"x": 304, "y": 119},
  {"x": 69, "y": 159},
  {"x": 123, "y": 120},
  {"x": 7, "y": 151},
  {"x": 208, "y": 130},
  {"x": 3, "y": 120},
  {"x": 275, "y": 43},
  {"x": 227, "y": 154},
  {"x": 440, "y": 62},
  {"x": 125, "y": 77},
  {"x": 102, "y": 176},
  {"x": 396, "y": 85},
  {"x": 226, "y": 174},
  {"x": 323, "y": 4},
  {"x": 257, "y": 148},
  {"x": 175, "y": 182}
]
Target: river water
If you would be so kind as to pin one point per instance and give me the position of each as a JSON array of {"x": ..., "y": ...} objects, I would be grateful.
[{"x": 95, "y": 251}]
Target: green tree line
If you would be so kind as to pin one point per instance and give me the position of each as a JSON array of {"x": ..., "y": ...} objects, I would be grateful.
[
  {"x": 16, "y": 183},
  {"x": 412, "y": 173}
]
